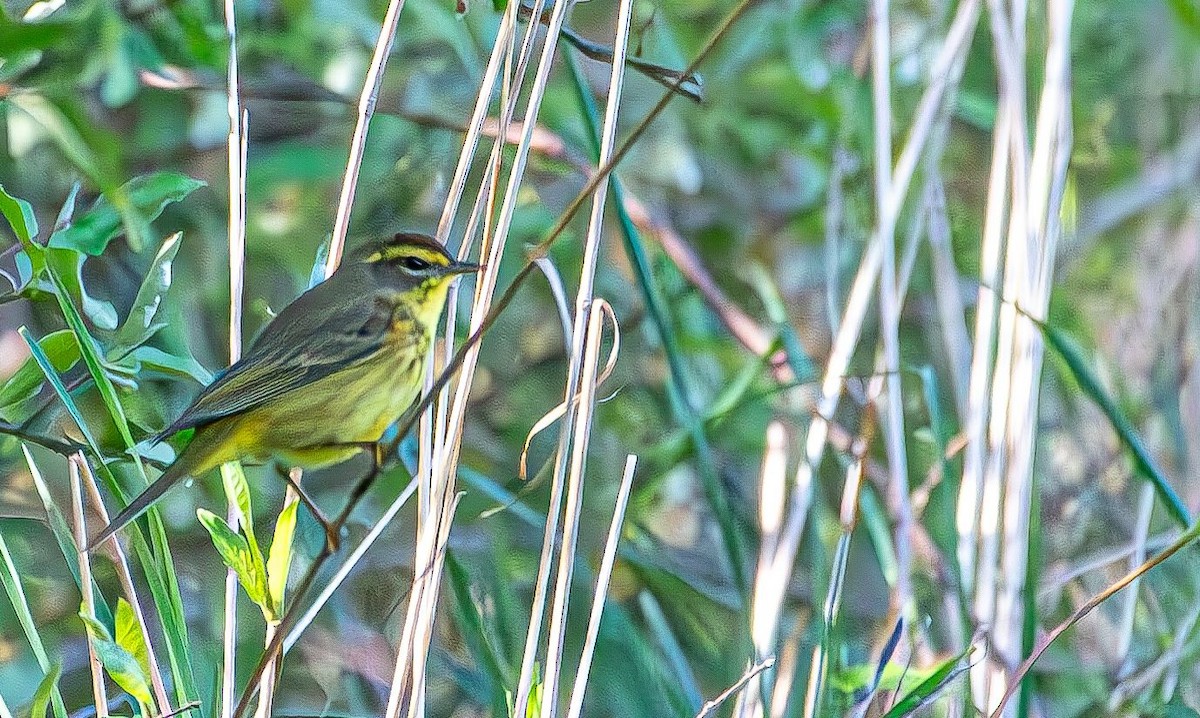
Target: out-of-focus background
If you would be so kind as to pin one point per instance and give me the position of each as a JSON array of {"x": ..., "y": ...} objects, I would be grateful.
[{"x": 1018, "y": 456}]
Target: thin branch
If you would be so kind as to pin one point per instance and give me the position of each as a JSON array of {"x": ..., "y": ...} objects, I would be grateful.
[{"x": 710, "y": 707}]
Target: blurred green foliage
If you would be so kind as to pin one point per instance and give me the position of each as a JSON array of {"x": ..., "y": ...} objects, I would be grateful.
[{"x": 113, "y": 127}]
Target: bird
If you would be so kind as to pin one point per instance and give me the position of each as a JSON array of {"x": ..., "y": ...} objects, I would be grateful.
[{"x": 327, "y": 376}]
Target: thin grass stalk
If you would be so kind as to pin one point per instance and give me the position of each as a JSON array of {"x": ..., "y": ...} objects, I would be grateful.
[
  {"x": 857, "y": 302},
  {"x": 358, "y": 142},
  {"x": 819, "y": 667},
  {"x": 580, "y": 433},
  {"x": 600, "y": 594},
  {"x": 1047, "y": 177},
  {"x": 987, "y": 306},
  {"x": 339, "y": 576},
  {"x": 785, "y": 675},
  {"x": 125, "y": 577},
  {"x": 236, "y": 155},
  {"x": 889, "y": 302},
  {"x": 774, "y": 563},
  {"x": 1124, "y": 641},
  {"x": 99, "y": 693}
]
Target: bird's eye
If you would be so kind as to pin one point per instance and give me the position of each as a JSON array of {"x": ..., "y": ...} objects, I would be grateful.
[{"x": 414, "y": 264}]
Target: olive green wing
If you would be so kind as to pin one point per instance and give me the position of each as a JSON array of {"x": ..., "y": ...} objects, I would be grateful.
[{"x": 312, "y": 338}]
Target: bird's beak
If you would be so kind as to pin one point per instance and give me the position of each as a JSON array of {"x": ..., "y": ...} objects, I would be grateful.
[{"x": 463, "y": 268}]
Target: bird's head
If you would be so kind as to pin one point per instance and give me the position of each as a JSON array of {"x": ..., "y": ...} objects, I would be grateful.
[{"x": 414, "y": 266}]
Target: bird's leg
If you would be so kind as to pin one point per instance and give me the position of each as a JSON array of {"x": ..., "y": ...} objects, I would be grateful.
[{"x": 332, "y": 536}]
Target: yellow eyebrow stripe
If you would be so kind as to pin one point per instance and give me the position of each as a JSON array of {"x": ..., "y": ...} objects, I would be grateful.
[{"x": 391, "y": 253}]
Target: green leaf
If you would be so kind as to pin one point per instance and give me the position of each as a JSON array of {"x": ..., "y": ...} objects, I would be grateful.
[
  {"x": 60, "y": 389},
  {"x": 45, "y": 690},
  {"x": 237, "y": 490},
  {"x": 63, "y": 535},
  {"x": 279, "y": 557},
  {"x": 928, "y": 689},
  {"x": 1081, "y": 369},
  {"x": 19, "y": 214},
  {"x": 118, "y": 663},
  {"x": 156, "y": 359},
  {"x": 60, "y": 348},
  {"x": 67, "y": 266},
  {"x": 139, "y": 326},
  {"x": 1187, "y": 14},
  {"x": 130, "y": 636},
  {"x": 146, "y": 196},
  {"x": 236, "y": 555}
]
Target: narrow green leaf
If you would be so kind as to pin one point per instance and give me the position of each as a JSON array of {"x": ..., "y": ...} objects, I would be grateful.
[
  {"x": 1081, "y": 370},
  {"x": 60, "y": 389},
  {"x": 119, "y": 663},
  {"x": 47, "y": 692},
  {"x": 129, "y": 635},
  {"x": 139, "y": 326},
  {"x": 279, "y": 557},
  {"x": 60, "y": 348},
  {"x": 145, "y": 197},
  {"x": 19, "y": 214},
  {"x": 237, "y": 490},
  {"x": 16, "y": 595},
  {"x": 929, "y": 689},
  {"x": 185, "y": 367},
  {"x": 236, "y": 554}
]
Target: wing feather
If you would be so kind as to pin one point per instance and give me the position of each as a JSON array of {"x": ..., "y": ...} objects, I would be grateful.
[{"x": 311, "y": 339}]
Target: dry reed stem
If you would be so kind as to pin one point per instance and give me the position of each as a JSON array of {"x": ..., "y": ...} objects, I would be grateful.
[
  {"x": 576, "y": 385},
  {"x": 889, "y": 302},
  {"x": 339, "y": 576},
  {"x": 1038, "y": 180},
  {"x": 857, "y": 302},
  {"x": 236, "y": 155},
  {"x": 358, "y": 142},
  {"x": 125, "y": 577},
  {"x": 600, "y": 593},
  {"x": 580, "y": 432},
  {"x": 776, "y": 559},
  {"x": 99, "y": 693}
]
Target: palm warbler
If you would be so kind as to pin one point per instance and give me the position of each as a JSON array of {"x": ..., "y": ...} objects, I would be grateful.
[{"x": 327, "y": 376}]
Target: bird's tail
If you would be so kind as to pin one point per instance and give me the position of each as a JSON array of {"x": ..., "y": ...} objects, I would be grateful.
[{"x": 190, "y": 462}]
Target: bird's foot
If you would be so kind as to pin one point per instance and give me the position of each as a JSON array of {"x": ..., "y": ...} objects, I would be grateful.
[{"x": 333, "y": 536}]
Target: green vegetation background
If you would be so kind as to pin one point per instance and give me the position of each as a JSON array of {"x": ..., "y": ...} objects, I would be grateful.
[{"x": 744, "y": 179}]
